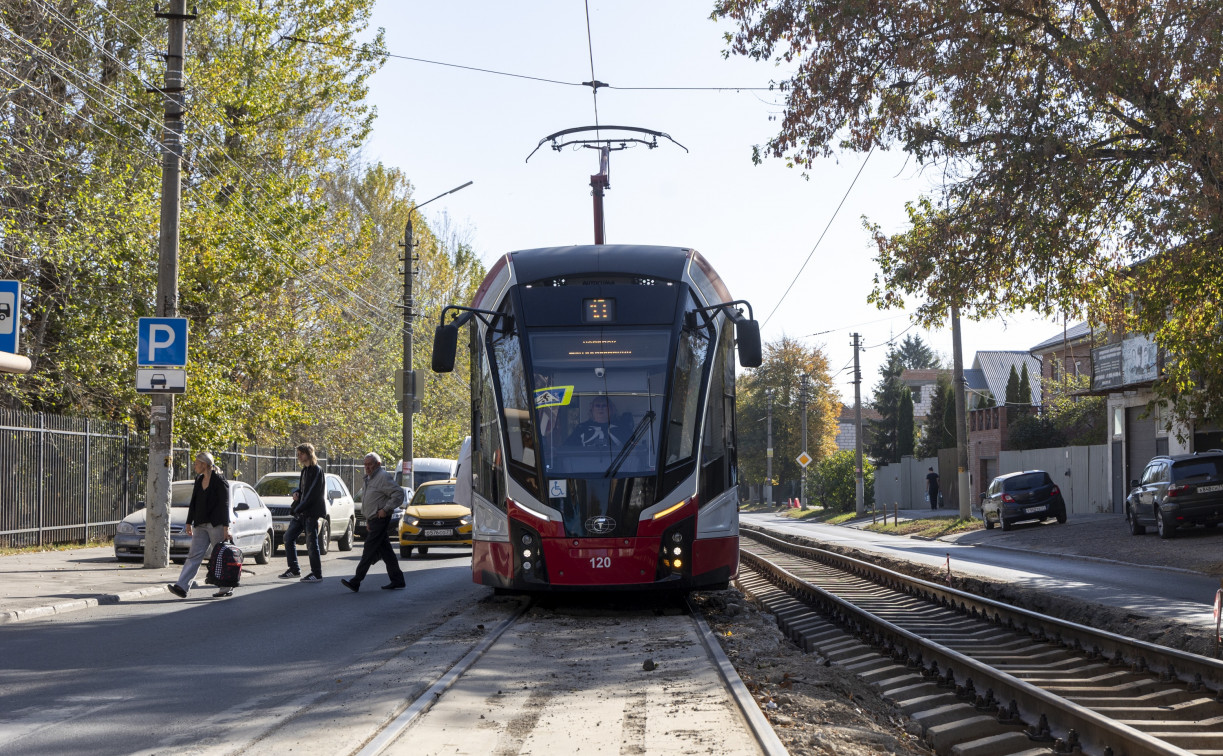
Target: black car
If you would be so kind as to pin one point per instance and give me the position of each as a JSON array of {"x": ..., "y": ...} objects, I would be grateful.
[
  {"x": 1186, "y": 489},
  {"x": 1019, "y": 496}
]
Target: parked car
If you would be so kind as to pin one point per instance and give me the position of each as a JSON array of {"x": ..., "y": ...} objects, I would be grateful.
[
  {"x": 1019, "y": 496},
  {"x": 339, "y": 525},
  {"x": 1186, "y": 489},
  {"x": 432, "y": 518},
  {"x": 393, "y": 526},
  {"x": 250, "y": 525}
]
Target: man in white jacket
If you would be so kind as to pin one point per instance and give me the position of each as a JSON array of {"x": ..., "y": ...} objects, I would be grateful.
[{"x": 382, "y": 495}]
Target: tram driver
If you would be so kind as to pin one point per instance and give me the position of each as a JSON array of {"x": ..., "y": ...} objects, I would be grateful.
[{"x": 600, "y": 430}]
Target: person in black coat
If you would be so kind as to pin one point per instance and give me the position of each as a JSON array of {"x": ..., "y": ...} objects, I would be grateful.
[
  {"x": 208, "y": 519},
  {"x": 309, "y": 505}
]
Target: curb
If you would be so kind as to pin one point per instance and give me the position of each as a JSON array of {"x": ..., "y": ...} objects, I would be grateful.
[{"x": 34, "y": 612}]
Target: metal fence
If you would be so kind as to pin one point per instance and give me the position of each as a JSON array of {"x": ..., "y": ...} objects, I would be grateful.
[{"x": 69, "y": 479}]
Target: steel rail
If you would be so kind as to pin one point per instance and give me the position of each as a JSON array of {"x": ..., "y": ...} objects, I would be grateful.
[
  {"x": 917, "y": 651},
  {"x": 1192, "y": 669},
  {"x": 766, "y": 737}
]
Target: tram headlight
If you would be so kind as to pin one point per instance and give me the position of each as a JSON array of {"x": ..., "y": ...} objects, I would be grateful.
[
  {"x": 676, "y": 563},
  {"x": 526, "y": 565},
  {"x": 526, "y": 539},
  {"x": 677, "y": 551},
  {"x": 526, "y": 554},
  {"x": 677, "y": 537}
]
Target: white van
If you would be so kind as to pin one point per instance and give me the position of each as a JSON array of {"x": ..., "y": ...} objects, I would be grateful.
[{"x": 425, "y": 469}]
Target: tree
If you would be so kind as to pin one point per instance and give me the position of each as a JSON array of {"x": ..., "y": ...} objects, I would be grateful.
[
  {"x": 1078, "y": 145},
  {"x": 885, "y": 432},
  {"x": 1012, "y": 389},
  {"x": 904, "y": 424},
  {"x": 785, "y": 363},
  {"x": 836, "y": 484},
  {"x": 916, "y": 355},
  {"x": 939, "y": 431},
  {"x": 1024, "y": 395}
]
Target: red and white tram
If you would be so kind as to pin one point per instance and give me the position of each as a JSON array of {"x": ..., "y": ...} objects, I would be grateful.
[{"x": 603, "y": 449}]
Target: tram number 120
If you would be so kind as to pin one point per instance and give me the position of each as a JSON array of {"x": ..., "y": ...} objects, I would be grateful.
[{"x": 599, "y": 563}]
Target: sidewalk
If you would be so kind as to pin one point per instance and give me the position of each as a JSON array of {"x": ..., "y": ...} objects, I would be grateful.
[{"x": 43, "y": 583}]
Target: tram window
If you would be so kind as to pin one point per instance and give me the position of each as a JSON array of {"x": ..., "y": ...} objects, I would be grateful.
[
  {"x": 486, "y": 457},
  {"x": 692, "y": 353},
  {"x": 716, "y": 465},
  {"x": 517, "y": 405}
]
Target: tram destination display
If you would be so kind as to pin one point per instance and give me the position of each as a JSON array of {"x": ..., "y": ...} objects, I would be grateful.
[{"x": 598, "y": 310}]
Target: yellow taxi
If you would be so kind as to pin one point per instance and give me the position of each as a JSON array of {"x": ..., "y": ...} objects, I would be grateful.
[{"x": 432, "y": 518}]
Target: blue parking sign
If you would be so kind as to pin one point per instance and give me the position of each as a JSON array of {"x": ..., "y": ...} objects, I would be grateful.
[
  {"x": 162, "y": 342},
  {"x": 10, "y": 315}
]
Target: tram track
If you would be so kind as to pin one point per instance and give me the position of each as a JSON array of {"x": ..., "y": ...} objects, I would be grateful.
[
  {"x": 982, "y": 676},
  {"x": 517, "y": 707}
]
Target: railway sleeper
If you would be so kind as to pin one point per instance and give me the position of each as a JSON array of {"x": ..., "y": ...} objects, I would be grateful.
[
  {"x": 1200, "y": 742},
  {"x": 1174, "y": 725},
  {"x": 1004, "y": 744},
  {"x": 1199, "y": 709}
]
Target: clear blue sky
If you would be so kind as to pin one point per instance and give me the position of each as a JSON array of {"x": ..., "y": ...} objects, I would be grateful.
[{"x": 756, "y": 224}]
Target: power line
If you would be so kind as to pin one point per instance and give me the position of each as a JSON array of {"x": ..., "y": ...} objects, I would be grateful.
[
  {"x": 594, "y": 80},
  {"x": 825, "y": 231},
  {"x": 366, "y": 49}
]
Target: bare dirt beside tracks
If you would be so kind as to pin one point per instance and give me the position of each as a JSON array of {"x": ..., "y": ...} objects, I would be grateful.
[{"x": 814, "y": 708}]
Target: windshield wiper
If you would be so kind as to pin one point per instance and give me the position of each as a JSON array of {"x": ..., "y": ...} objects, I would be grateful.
[{"x": 638, "y": 432}]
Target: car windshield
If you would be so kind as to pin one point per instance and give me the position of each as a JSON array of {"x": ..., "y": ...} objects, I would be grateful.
[
  {"x": 180, "y": 495},
  {"x": 1027, "y": 481},
  {"x": 278, "y": 486},
  {"x": 443, "y": 494},
  {"x": 1190, "y": 469}
]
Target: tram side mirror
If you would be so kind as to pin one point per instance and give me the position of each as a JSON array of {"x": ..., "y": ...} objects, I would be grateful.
[
  {"x": 445, "y": 345},
  {"x": 747, "y": 334}
]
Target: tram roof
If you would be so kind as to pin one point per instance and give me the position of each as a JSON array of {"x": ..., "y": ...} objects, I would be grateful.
[{"x": 629, "y": 259}]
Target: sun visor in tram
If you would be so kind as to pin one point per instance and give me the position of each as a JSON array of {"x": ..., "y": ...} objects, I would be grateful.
[{"x": 619, "y": 305}]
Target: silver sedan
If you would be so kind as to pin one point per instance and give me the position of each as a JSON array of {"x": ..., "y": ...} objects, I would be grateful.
[{"x": 250, "y": 525}]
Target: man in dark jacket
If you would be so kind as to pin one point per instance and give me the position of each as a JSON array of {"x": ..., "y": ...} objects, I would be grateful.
[
  {"x": 208, "y": 519},
  {"x": 309, "y": 505}
]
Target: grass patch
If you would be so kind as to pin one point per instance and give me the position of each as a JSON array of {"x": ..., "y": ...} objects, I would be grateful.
[
  {"x": 930, "y": 527},
  {"x": 67, "y": 546},
  {"x": 814, "y": 515}
]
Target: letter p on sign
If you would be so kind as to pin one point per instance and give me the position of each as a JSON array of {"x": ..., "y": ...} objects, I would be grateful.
[{"x": 162, "y": 342}]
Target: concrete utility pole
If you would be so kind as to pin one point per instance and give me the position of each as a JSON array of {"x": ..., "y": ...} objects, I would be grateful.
[
  {"x": 802, "y": 470},
  {"x": 161, "y": 420},
  {"x": 410, "y": 388},
  {"x": 768, "y": 453},
  {"x": 961, "y": 419},
  {"x": 859, "y": 481}
]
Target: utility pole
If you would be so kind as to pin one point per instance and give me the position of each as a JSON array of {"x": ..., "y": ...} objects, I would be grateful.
[
  {"x": 961, "y": 420},
  {"x": 410, "y": 389},
  {"x": 859, "y": 482},
  {"x": 768, "y": 454},
  {"x": 802, "y": 469},
  {"x": 161, "y": 419}
]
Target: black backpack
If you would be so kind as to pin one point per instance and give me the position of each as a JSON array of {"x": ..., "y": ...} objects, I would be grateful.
[{"x": 225, "y": 566}]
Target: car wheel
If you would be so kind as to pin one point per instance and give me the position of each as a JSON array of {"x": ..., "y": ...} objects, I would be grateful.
[
  {"x": 1061, "y": 517},
  {"x": 423, "y": 550},
  {"x": 405, "y": 552},
  {"x": 1006, "y": 524},
  {"x": 989, "y": 524},
  {"x": 265, "y": 551},
  {"x": 346, "y": 539},
  {"x": 1132, "y": 519},
  {"x": 1165, "y": 528},
  {"x": 324, "y": 537},
  {"x": 179, "y": 561}
]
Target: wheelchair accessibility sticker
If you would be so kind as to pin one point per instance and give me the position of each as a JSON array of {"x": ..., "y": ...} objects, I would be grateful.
[
  {"x": 554, "y": 396},
  {"x": 556, "y": 490}
]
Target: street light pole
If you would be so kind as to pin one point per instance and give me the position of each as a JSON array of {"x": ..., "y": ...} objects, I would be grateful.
[
  {"x": 802, "y": 470},
  {"x": 409, "y": 385}
]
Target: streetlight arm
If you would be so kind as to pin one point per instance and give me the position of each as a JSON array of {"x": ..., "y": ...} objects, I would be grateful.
[{"x": 443, "y": 194}]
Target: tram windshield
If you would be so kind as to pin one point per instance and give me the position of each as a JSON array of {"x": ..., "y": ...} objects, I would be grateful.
[{"x": 598, "y": 400}]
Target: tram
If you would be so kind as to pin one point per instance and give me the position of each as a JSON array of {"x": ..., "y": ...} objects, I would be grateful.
[{"x": 603, "y": 451}]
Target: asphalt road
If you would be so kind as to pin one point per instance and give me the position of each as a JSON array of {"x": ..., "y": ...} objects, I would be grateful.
[
  {"x": 167, "y": 675},
  {"x": 1149, "y": 591}
]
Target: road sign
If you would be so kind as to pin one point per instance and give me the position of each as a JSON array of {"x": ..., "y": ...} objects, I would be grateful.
[
  {"x": 161, "y": 381},
  {"x": 162, "y": 342},
  {"x": 403, "y": 387},
  {"x": 10, "y": 315},
  {"x": 803, "y": 459}
]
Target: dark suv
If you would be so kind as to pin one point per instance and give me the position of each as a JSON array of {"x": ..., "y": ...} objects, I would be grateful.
[
  {"x": 1018, "y": 496},
  {"x": 1186, "y": 489}
]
